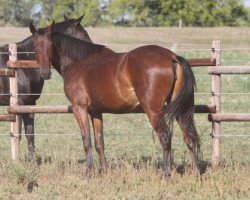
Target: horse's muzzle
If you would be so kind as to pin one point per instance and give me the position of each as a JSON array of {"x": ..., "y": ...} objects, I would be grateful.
[{"x": 45, "y": 73}]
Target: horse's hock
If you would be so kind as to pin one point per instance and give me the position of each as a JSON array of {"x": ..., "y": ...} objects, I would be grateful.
[{"x": 214, "y": 114}]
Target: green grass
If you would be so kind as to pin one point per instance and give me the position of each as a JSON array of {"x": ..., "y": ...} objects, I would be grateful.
[{"x": 132, "y": 149}]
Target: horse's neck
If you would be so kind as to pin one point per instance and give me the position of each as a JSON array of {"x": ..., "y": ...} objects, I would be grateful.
[
  {"x": 60, "y": 61},
  {"x": 66, "y": 57},
  {"x": 56, "y": 61},
  {"x": 23, "y": 46},
  {"x": 26, "y": 46}
]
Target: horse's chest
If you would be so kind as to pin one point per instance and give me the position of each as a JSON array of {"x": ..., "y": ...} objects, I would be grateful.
[{"x": 75, "y": 91}]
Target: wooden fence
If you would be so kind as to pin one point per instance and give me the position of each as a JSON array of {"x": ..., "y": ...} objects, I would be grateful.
[{"x": 214, "y": 114}]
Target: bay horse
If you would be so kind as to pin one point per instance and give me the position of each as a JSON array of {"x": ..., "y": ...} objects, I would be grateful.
[
  {"x": 98, "y": 80},
  {"x": 30, "y": 82}
]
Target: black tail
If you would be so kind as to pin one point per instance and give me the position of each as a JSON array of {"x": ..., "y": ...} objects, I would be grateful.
[{"x": 182, "y": 107}]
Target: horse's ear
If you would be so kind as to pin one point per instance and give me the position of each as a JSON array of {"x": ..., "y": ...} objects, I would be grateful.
[
  {"x": 80, "y": 19},
  {"x": 65, "y": 17},
  {"x": 51, "y": 27},
  {"x": 33, "y": 29}
]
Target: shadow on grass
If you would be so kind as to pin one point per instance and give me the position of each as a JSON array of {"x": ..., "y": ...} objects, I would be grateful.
[
  {"x": 136, "y": 162},
  {"x": 182, "y": 168},
  {"x": 38, "y": 159},
  {"x": 81, "y": 161},
  {"x": 156, "y": 162}
]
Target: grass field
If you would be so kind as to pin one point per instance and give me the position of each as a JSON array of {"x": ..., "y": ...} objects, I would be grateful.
[{"x": 133, "y": 155}]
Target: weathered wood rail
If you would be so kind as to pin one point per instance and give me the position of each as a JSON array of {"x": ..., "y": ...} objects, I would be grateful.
[
  {"x": 68, "y": 109},
  {"x": 7, "y": 117}
]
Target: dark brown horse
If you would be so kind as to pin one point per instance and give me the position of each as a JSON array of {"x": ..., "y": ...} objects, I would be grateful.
[
  {"x": 98, "y": 80},
  {"x": 30, "y": 82}
]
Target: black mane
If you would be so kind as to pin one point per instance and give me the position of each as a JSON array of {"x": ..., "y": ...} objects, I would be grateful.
[{"x": 75, "y": 48}]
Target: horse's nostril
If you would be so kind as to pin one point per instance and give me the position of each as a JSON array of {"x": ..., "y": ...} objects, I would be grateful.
[{"x": 46, "y": 76}]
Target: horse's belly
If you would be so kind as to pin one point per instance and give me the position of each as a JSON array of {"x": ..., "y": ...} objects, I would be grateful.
[
  {"x": 115, "y": 102},
  {"x": 117, "y": 110}
]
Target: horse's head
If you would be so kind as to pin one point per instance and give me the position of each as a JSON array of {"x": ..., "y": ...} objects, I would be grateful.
[
  {"x": 70, "y": 27},
  {"x": 73, "y": 28},
  {"x": 43, "y": 48}
]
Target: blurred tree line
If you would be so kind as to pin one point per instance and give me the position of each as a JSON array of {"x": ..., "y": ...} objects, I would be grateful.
[{"x": 196, "y": 13}]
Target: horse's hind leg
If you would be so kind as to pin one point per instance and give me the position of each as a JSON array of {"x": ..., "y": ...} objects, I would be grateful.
[
  {"x": 97, "y": 122},
  {"x": 28, "y": 120},
  {"x": 165, "y": 136},
  {"x": 152, "y": 97},
  {"x": 191, "y": 139}
]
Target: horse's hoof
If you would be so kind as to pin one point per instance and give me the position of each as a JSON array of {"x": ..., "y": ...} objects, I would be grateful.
[
  {"x": 88, "y": 173},
  {"x": 198, "y": 175},
  {"x": 166, "y": 174},
  {"x": 103, "y": 170}
]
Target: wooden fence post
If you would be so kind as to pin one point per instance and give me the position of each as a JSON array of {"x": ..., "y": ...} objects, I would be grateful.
[
  {"x": 13, "y": 102},
  {"x": 216, "y": 90}
]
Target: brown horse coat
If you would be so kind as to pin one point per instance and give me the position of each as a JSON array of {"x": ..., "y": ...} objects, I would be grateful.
[{"x": 98, "y": 80}]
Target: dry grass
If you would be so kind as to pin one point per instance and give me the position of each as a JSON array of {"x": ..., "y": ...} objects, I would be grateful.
[
  {"x": 65, "y": 181},
  {"x": 134, "y": 158}
]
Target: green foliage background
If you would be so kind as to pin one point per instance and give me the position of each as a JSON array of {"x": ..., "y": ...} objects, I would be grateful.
[{"x": 197, "y": 13}]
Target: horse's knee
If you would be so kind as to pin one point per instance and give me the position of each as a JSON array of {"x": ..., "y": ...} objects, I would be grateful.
[
  {"x": 98, "y": 147},
  {"x": 188, "y": 142},
  {"x": 166, "y": 140},
  {"x": 86, "y": 143}
]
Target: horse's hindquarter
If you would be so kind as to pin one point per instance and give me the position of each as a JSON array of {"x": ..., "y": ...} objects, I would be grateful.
[{"x": 152, "y": 73}]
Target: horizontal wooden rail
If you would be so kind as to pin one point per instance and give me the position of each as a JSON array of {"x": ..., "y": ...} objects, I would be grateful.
[
  {"x": 7, "y": 117},
  {"x": 197, "y": 62},
  {"x": 194, "y": 62},
  {"x": 7, "y": 72},
  {"x": 229, "y": 70},
  {"x": 229, "y": 117},
  {"x": 39, "y": 109},
  {"x": 23, "y": 64},
  {"x": 68, "y": 109}
]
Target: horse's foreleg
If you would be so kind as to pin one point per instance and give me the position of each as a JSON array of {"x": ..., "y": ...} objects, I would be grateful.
[
  {"x": 97, "y": 122},
  {"x": 28, "y": 120},
  {"x": 81, "y": 115}
]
